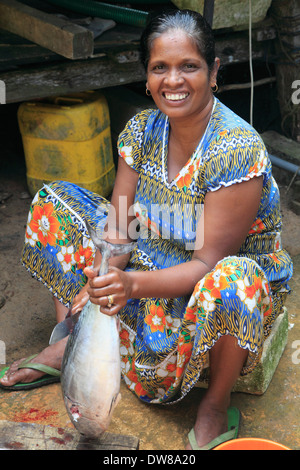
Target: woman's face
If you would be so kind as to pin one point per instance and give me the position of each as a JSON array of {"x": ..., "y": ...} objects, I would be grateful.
[{"x": 178, "y": 76}]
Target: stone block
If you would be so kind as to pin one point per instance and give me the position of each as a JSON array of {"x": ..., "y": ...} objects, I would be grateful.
[
  {"x": 257, "y": 382},
  {"x": 230, "y": 13},
  {"x": 282, "y": 147}
]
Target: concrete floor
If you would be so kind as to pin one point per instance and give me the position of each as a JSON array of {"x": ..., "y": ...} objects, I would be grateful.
[{"x": 27, "y": 319}]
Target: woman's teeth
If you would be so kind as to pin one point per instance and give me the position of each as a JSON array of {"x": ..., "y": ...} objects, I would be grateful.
[{"x": 176, "y": 96}]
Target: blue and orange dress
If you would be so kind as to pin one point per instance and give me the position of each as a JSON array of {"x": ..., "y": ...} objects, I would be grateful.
[{"x": 164, "y": 343}]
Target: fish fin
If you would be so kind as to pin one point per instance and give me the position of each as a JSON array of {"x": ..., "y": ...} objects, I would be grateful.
[
  {"x": 69, "y": 313},
  {"x": 96, "y": 239},
  {"x": 114, "y": 249}
]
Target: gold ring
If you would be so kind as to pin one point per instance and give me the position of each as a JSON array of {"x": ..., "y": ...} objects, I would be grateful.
[{"x": 110, "y": 300}]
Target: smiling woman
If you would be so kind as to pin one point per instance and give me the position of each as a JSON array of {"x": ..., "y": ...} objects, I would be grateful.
[
  {"x": 181, "y": 73},
  {"x": 208, "y": 275},
  {"x": 178, "y": 77}
]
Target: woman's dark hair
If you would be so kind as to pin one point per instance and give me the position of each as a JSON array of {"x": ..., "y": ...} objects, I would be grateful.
[{"x": 191, "y": 22}]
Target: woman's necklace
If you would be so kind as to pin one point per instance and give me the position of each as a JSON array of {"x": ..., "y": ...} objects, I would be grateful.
[{"x": 195, "y": 153}]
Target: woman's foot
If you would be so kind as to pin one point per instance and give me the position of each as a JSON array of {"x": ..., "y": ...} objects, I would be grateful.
[
  {"x": 210, "y": 423},
  {"x": 50, "y": 356},
  {"x": 226, "y": 360}
]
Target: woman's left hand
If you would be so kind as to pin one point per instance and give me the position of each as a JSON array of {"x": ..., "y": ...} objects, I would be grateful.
[{"x": 110, "y": 291}]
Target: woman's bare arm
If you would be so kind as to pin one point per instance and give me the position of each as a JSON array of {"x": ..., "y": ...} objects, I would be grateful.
[{"x": 228, "y": 216}]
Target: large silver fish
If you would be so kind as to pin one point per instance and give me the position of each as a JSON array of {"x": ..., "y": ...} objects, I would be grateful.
[{"x": 91, "y": 373}]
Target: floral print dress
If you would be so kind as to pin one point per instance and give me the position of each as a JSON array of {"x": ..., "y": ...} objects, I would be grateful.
[{"x": 165, "y": 342}]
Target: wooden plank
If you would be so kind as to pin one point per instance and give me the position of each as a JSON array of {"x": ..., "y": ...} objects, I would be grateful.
[
  {"x": 59, "y": 35},
  {"x": 15, "y": 50},
  {"x": 115, "y": 62},
  {"x": 68, "y": 77},
  {"x": 109, "y": 441},
  {"x": 231, "y": 48},
  {"x": 32, "y": 436},
  {"x": 113, "y": 66}
]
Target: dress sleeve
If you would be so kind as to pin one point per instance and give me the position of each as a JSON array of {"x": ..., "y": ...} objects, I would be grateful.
[
  {"x": 131, "y": 140},
  {"x": 236, "y": 155}
]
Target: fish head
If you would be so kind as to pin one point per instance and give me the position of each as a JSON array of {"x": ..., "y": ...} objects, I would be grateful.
[{"x": 91, "y": 423}]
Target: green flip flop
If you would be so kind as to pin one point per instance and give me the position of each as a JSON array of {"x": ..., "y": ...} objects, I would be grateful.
[
  {"x": 233, "y": 416},
  {"x": 52, "y": 375}
]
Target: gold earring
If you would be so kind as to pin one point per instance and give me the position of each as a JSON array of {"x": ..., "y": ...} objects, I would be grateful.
[
  {"x": 148, "y": 92},
  {"x": 215, "y": 88}
]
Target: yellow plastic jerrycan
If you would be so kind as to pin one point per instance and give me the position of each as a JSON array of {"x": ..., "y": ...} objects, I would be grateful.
[{"x": 68, "y": 138}]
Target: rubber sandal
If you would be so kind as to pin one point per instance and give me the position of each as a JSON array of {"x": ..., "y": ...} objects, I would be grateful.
[
  {"x": 52, "y": 375},
  {"x": 233, "y": 416}
]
